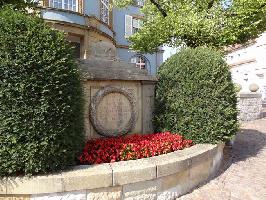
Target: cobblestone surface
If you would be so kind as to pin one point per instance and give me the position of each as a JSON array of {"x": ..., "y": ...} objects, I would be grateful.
[{"x": 243, "y": 172}]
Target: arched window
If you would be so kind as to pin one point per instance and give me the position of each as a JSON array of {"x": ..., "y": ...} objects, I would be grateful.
[
  {"x": 141, "y": 61},
  {"x": 105, "y": 11}
]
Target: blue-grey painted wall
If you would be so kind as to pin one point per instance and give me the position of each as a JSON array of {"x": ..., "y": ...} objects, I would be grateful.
[
  {"x": 154, "y": 60},
  {"x": 153, "y": 64},
  {"x": 92, "y": 8},
  {"x": 119, "y": 22}
]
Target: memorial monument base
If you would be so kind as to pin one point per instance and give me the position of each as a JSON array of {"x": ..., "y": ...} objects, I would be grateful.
[{"x": 119, "y": 98}]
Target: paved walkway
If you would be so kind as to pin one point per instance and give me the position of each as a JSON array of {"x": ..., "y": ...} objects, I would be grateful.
[{"x": 243, "y": 173}]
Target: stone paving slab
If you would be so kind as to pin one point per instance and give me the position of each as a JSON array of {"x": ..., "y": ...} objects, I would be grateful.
[{"x": 243, "y": 172}]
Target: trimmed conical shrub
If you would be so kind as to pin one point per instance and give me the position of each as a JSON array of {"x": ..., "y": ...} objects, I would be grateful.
[{"x": 195, "y": 96}]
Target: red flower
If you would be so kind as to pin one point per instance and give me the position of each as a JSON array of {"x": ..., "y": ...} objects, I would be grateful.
[{"x": 131, "y": 147}]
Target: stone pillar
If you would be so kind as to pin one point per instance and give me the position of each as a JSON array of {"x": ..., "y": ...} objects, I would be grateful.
[
  {"x": 147, "y": 105},
  {"x": 250, "y": 106}
]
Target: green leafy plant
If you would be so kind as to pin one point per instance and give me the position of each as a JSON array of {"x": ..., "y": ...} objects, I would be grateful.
[
  {"x": 18, "y": 4},
  {"x": 196, "y": 97},
  {"x": 41, "y": 106},
  {"x": 215, "y": 23}
]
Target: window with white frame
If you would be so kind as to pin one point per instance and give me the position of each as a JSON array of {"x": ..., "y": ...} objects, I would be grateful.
[
  {"x": 136, "y": 24},
  {"x": 105, "y": 11},
  {"x": 140, "y": 61},
  {"x": 64, "y": 4},
  {"x": 132, "y": 25}
]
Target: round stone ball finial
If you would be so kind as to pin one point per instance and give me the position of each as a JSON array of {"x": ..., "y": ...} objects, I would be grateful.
[{"x": 253, "y": 87}]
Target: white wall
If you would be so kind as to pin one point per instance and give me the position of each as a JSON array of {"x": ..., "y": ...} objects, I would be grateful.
[
  {"x": 249, "y": 65},
  {"x": 168, "y": 52}
]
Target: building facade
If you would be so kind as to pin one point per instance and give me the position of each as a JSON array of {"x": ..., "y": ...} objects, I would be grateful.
[
  {"x": 90, "y": 21},
  {"x": 248, "y": 64}
]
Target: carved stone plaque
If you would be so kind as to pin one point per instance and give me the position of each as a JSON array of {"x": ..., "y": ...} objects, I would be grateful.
[{"x": 113, "y": 111}]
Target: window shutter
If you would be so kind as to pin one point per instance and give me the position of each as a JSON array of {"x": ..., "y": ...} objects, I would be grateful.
[
  {"x": 128, "y": 25},
  {"x": 140, "y": 23},
  {"x": 135, "y": 23}
]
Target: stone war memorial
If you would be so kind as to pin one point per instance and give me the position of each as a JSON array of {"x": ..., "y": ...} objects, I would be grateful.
[
  {"x": 92, "y": 126},
  {"x": 119, "y": 100},
  {"x": 119, "y": 97},
  {"x": 89, "y": 109}
]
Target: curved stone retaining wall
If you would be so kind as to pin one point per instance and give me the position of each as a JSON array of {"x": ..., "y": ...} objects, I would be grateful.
[{"x": 163, "y": 177}]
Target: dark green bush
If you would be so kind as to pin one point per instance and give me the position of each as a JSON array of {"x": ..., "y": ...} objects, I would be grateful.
[
  {"x": 195, "y": 96},
  {"x": 18, "y": 4},
  {"x": 41, "y": 112}
]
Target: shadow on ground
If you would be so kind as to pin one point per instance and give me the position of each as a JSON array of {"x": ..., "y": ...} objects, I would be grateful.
[{"x": 248, "y": 143}]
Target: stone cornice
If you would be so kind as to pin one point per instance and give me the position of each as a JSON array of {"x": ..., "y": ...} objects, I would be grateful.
[
  {"x": 95, "y": 29},
  {"x": 79, "y": 14}
]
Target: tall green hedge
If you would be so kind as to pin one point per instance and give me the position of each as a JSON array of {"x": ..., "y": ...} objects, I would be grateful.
[
  {"x": 195, "y": 96},
  {"x": 41, "y": 107}
]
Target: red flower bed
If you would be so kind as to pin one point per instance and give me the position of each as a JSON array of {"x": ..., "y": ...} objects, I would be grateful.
[{"x": 131, "y": 147}]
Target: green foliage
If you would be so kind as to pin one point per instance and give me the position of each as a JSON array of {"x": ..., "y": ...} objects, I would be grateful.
[
  {"x": 215, "y": 23},
  {"x": 196, "y": 97},
  {"x": 238, "y": 87},
  {"x": 18, "y": 4},
  {"x": 123, "y": 3},
  {"x": 41, "y": 106}
]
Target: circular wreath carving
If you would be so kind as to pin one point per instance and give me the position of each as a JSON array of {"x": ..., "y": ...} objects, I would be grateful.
[{"x": 97, "y": 98}]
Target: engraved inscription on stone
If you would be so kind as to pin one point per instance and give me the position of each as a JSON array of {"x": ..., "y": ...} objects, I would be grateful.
[{"x": 112, "y": 111}]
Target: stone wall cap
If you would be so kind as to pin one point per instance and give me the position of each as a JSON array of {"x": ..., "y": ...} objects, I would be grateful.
[
  {"x": 249, "y": 95},
  {"x": 107, "y": 175},
  {"x": 102, "y": 69},
  {"x": 87, "y": 177},
  {"x": 132, "y": 171}
]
